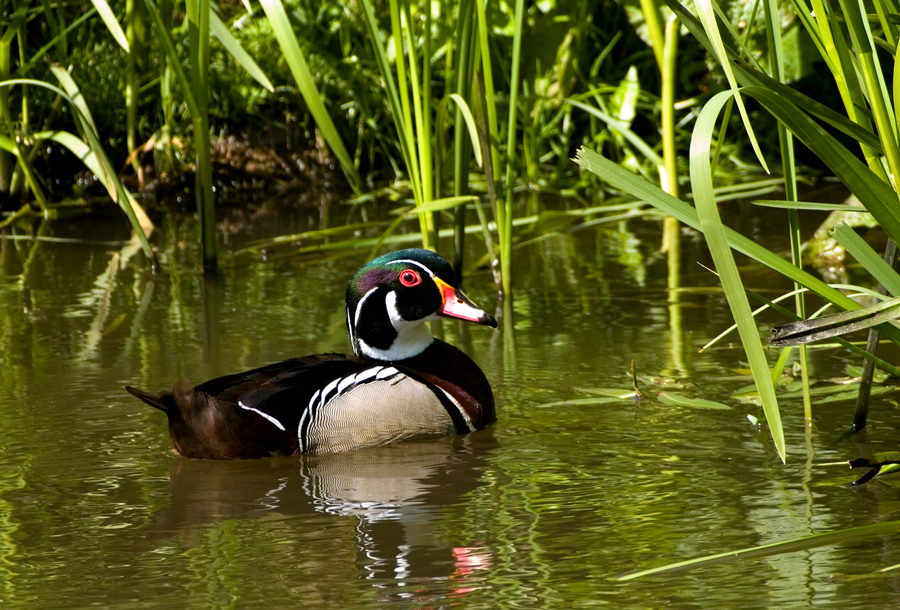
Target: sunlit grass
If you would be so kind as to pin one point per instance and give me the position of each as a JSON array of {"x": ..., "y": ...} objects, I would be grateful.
[
  {"x": 843, "y": 38},
  {"x": 765, "y": 550}
]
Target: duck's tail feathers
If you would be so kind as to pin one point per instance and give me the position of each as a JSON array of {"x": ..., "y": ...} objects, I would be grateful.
[{"x": 164, "y": 401}]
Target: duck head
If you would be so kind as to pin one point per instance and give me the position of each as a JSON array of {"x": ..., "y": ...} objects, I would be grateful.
[{"x": 390, "y": 298}]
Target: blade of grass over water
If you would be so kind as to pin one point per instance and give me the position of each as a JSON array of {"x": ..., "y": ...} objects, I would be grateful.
[
  {"x": 787, "y": 546},
  {"x": 867, "y": 355},
  {"x": 643, "y": 190},
  {"x": 711, "y": 224},
  {"x": 139, "y": 220},
  {"x": 91, "y": 153}
]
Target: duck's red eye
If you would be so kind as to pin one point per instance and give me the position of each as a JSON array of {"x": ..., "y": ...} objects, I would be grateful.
[{"x": 410, "y": 278}]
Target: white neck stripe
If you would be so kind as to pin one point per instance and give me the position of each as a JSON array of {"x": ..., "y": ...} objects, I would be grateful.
[
  {"x": 355, "y": 321},
  {"x": 359, "y": 305}
]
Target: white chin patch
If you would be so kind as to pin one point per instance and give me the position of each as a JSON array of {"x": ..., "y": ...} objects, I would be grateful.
[{"x": 413, "y": 337}]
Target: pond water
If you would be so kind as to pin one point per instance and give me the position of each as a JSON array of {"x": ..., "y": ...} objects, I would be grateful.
[{"x": 543, "y": 510}]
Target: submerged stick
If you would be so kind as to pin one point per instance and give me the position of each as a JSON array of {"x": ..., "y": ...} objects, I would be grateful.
[
  {"x": 865, "y": 385},
  {"x": 807, "y": 331}
]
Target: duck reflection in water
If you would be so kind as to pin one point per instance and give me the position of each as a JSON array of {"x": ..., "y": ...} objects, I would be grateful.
[{"x": 397, "y": 495}]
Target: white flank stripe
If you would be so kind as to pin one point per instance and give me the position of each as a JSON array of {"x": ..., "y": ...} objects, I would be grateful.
[
  {"x": 265, "y": 415},
  {"x": 345, "y": 383},
  {"x": 327, "y": 389},
  {"x": 306, "y": 412},
  {"x": 367, "y": 374},
  {"x": 309, "y": 408},
  {"x": 386, "y": 372}
]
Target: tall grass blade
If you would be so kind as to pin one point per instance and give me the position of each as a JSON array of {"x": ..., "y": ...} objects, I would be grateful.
[
  {"x": 504, "y": 220},
  {"x": 281, "y": 27},
  {"x": 711, "y": 224},
  {"x": 873, "y": 263},
  {"x": 410, "y": 102},
  {"x": 164, "y": 37},
  {"x": 140, "y": 223},
  {"x": 707, "y": 16},
  {"x": 384, "y": 68},
  {"x": 231, "y": 44},
  {"x": 463, "y": 80},
  {"x": 786, "y": 143},
  {"x": 198, "y": 12},
  {"x": 91, "y": 152},
  {"x": 470, "y": 125},
  {"x": 112, "y": 24},
  {"x": 488, "y": 81}
]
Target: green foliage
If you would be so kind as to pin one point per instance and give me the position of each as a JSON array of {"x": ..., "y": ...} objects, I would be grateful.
[
  {"x": 848, "y": 39},
  {"x": 560, "y": 60}
]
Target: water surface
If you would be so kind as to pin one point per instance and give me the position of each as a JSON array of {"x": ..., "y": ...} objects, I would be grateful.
[{"x": 543, "y": 510}]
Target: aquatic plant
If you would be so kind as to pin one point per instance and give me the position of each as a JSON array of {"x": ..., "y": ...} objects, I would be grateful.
[
  {"x": 419, "y": 89},
  {"x": 20, "y": 140},
  {"x": 845, "y": 39}
]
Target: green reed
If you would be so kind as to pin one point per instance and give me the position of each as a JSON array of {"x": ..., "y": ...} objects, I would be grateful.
[
  {"x": 20, "y": 140},
  {"x": 306, "y": 84},
  {"x": 420, "y": 124},
  {"x": 788, "y": 164},
  {"x": 203, "y": 23},
  {"x": 198, "y": 12},
  {"x": 505, "y": 219},
  {"x": 410, "y": 103},
  {"x": 844, "y": 35}
]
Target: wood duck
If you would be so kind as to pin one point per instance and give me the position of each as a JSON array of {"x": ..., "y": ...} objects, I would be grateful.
[{"x": 401, "y": 384}]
